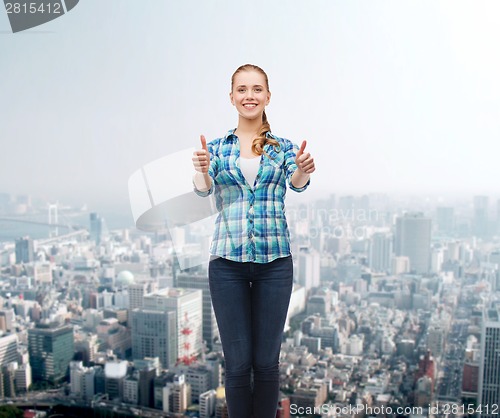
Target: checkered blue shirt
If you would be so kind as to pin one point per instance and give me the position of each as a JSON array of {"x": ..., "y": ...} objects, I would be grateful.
[{"x": 251, "y": 223}]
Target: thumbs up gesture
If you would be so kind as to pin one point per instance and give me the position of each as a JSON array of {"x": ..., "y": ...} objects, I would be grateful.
[
  {"x": 304, "y": 161},
  {"x": 201, "y": 157}
]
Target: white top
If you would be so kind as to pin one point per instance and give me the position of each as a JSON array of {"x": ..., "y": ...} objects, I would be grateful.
[{"x": 250, "y": 167}]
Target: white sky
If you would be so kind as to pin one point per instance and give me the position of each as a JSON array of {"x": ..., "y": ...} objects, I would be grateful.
[{"x": 392, "y": 96}]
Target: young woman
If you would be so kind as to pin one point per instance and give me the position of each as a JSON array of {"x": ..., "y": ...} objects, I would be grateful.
[{"x": 250, "y": 270}]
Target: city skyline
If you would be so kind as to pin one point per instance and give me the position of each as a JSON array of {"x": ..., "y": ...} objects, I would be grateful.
[{"x": 392, "y": 315}]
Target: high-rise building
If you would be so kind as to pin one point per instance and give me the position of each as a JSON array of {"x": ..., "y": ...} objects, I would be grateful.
[
  {"x": 161, "y": 391},
  {"x": 115, "y": 373},
  {"x": 200, "y": 281},
  {"x": 82, "y": 380},
  {"x": 188, "y": 307},
  {"x": 489, "y": 367},
  {"x": 97, "y": 228},
  {"x": 480, "y": 217},
  {"x": 89, "y": 382},
  {"x": 25, "y": 252},
  {"x": 470, "y": 378},
  {"x": 445, "y": 220},
  {"x": 380, "y": 252},
  {"x": 154, "y": 334},
  {"x": 180, "y": 394},
  {"x": 9, "y": 379},
  {"x": 76, "y": 371},
  {"x": 137, "y": 291},
  {"x": 413, "y": 239},
  {"x": 147, "y": 377},
  {"x": 201, "y": 379},
  {"x": 8, "y": 349},
  {"x": 309, "y": 266},
  {"x": 131, "y": 389},
  {"x": 7, "y": 317},
  {"x": 23, "y": 377},
  {"x": 51, "y": 348}
]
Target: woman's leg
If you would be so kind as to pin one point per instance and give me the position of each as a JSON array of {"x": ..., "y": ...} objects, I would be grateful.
[
  {"x": 271, "y": 291},
  {"x": 230, "y": 291}
]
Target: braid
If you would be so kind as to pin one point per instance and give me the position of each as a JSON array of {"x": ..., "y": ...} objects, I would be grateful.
[{"x": 261, "y": 140}]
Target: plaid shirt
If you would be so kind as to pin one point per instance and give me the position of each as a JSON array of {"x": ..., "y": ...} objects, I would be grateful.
[{"x": 251, "y": 224}]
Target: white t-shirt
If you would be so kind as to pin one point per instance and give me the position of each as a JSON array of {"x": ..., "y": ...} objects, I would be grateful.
[{"x": 250, "y": 167}]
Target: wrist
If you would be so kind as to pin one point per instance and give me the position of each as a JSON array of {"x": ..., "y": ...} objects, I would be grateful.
[
  {"x": 299, "y": 178},
  {"x": 202, "y": 181}
]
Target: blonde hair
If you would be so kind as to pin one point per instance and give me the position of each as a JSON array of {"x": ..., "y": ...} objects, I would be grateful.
[{"x": 261, "y": 140}]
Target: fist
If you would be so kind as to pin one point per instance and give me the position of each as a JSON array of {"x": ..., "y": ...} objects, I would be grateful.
[
  {"x": 201, "y": 157},
  {"x": 304, "y": 161}
]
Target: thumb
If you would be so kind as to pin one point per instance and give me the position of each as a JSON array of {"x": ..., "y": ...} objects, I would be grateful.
[
  {"x": 203, "y": 142},
  {"x": 302, "y": 148}
]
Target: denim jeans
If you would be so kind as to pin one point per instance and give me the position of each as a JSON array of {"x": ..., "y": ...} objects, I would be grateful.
[{"x": 250, "y": 302}]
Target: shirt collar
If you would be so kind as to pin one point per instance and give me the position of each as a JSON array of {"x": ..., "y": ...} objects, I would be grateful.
[{"x": 230, "y": 135}]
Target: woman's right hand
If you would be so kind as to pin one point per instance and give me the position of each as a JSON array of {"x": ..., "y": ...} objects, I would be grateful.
[{"x": 201, "y": 157}]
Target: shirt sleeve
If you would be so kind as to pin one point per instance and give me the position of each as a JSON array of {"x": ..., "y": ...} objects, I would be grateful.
[
  {"x": 291, "y": 150},
  {"x": 213, "y": 170}
]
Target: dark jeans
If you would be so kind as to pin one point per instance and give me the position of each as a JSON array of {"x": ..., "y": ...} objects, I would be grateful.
[{"x": 250, "y": 301}]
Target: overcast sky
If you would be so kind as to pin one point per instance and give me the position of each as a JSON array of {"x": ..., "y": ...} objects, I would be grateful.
[{"x": 392, "y": 96}]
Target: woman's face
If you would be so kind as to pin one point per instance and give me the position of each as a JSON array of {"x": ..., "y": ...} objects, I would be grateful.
[{"x": 250, "y": 94}]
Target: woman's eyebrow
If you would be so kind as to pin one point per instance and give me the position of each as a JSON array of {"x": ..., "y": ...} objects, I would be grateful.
[{"x": 256, "y": 85}]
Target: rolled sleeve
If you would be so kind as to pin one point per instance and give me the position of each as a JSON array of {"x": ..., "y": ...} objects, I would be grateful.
[
  {"x": 291, "y": 150},
  {"x": 206, "y": 192}
]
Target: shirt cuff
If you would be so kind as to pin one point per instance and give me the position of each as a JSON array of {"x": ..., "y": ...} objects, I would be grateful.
[
  {"x": 206, "y": 192},
  {"x": 299, "y": 189}
]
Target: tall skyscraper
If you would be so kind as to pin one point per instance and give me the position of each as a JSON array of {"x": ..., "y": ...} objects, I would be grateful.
[
  {"x": 489, "y": 368},
  {"x": 413, "y": 239},
  {"x": 199, "y": 280},
  {"x": 154, "y": 334},
  {"x": 51, "y": 348},
  {"x": 25, "y": 252},
  {"x": 168, "y": 326},
  {"x": 188, "y": 307},
  {"x": 97, "y": 228},
  {"x": 480, "y": 217},
  {"x": 380, "y": 252},
  {"x": 445, "y": 220}
]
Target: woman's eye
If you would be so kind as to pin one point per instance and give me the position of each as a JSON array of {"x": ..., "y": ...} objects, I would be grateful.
[
  {"x": 258, "y": 90},
  {"x": 241, "y": 90}
]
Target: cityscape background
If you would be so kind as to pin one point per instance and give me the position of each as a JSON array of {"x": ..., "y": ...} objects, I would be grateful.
[
  {"x": 396, "y": 300},
  {"x": 396, "y": 304}
]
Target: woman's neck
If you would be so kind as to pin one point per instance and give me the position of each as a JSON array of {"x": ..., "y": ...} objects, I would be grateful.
[{"x": 248, "y": 127}]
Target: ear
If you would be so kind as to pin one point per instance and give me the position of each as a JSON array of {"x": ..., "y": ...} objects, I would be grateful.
[
  {"x": 268, "y": 97},
  {"x": 231, "y": 97}
]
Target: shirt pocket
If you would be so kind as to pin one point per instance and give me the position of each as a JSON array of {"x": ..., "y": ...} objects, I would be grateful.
[{"x": 276, "y": 159}]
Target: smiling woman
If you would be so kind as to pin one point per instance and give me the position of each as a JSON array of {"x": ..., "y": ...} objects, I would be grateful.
[
  {"x": 250, "y": 95},
  {"x": 251, "y": 267}
]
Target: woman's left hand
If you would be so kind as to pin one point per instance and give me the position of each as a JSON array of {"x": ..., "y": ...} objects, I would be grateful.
[{"x": 305, "y": 163}]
